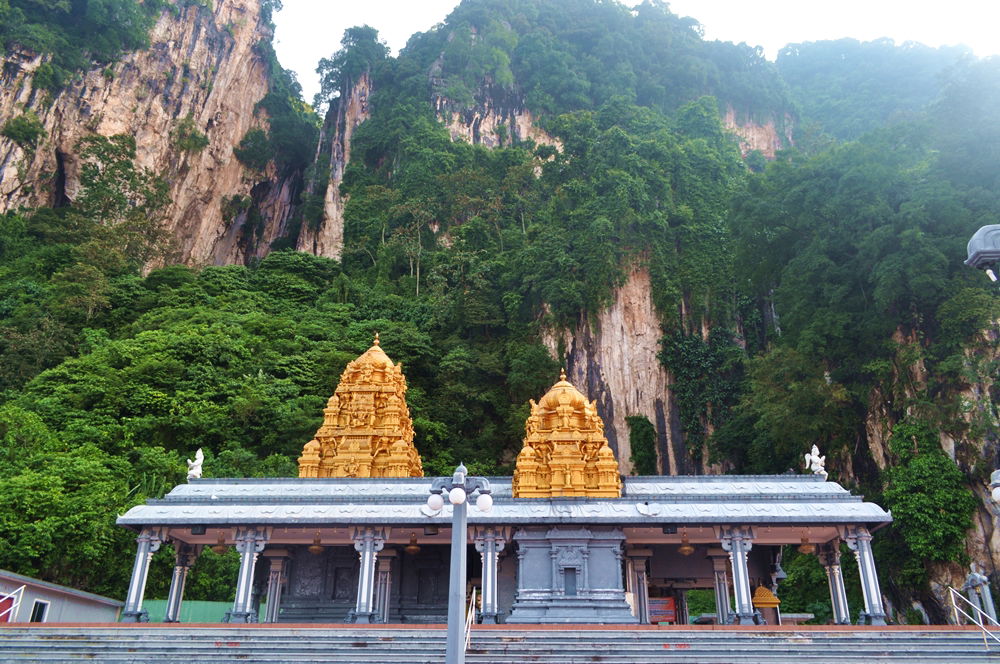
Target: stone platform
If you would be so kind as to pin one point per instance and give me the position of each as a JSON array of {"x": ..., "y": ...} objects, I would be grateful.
[{"x": 495, "y": 644}]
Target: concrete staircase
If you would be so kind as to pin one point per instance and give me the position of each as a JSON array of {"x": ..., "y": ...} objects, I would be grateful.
[{"x": 191, "y": 644}]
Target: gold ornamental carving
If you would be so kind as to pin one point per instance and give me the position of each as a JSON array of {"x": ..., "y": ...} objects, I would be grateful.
[
  {"x": 565, "y": 452},
  {"x": 366, "y": 431}
]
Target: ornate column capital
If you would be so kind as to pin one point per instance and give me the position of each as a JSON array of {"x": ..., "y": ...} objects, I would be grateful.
[
  {"x": 251, "y": 539},
  {"x": 369, "y": 538},
  {"x": 740, "y": 535}
]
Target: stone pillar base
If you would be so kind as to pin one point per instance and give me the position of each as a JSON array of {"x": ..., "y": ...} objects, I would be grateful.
[
  {"x": 240, "y": 617},
  {"x": 362, "y": 617},
  {"x": 877, "y": 619},
  {"x": 489, "y": 618},
  {"x": 754, "y": 618},
  {"x": 134, "y": 616}
]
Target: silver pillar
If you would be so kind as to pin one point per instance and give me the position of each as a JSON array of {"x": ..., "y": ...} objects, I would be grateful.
[
  {"x": 638, "y": 583},
  {"x": 184, "y": 556},
  {"x": 721, "y": 580},
  {"x": 383, "y": 585},
  {"x": 148, "y": 541},
  {"x": 859, "y": 540},
  {"x": 275, "y": 583},
  {"x": 455, "y": 646},
  {"x": 249, "y": 542},
  {"x": 490, "y": 541},
  {"x": 829, "y": 557},
  {"x": 368, "y": 541},
  {"x": 738, "y": 542}
]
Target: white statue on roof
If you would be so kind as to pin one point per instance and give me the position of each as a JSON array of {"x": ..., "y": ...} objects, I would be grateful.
[
  {"x": 194, "y": 467},
  {"x": 816, "y": 463}
]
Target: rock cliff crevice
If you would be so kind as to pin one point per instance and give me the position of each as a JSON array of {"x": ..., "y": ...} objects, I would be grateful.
[
  {"x": 203, "y": 67},
  {"x": 326, "y": 236},
  {"x": 613, "y": 357}
]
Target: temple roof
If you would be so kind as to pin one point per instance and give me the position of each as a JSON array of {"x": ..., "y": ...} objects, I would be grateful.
[{"x": 652, "y": 501}]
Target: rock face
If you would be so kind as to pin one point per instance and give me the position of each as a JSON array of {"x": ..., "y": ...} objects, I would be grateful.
[
  {"x": 612, "y": 358},
  {"x": 491, "y": 124},
  {"x": 344, "y": 116},
  {"x": 202, "y": 64},
  {"x": 767, "y": 137}
]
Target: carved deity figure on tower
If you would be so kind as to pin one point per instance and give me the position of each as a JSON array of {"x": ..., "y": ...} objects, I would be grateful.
[
  {"x": 366, "y": 430},
  {"x": 565, "y": 452}
]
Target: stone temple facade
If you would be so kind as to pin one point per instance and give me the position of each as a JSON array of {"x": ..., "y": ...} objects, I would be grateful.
[{"x": 568, "y": 539}]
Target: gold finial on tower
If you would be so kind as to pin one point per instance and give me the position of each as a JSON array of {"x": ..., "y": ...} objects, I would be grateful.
[
  {"x": 565, "y": 452},
  {"x": 366, "y": 431},
  {"x": 562, "y": 375}
]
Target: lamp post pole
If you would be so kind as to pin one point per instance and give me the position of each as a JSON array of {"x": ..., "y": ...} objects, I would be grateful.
[{"x": 458, "y": 487}]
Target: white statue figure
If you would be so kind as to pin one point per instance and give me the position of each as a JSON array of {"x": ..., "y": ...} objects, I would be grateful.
[
  {"x": 816, "y": 463},
  {"x": 194, "y": 467}
]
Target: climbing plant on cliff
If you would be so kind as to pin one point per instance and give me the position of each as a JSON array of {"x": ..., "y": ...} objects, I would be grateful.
[
  {"x": 931, "y": 507},
  {"x": 76, "y": 34}
]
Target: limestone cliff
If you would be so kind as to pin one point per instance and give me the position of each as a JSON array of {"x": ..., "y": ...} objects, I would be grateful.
[
  {"x": 976, "y": 412},
  {"x": 491, "y": 124},
  {"x": 612, "y": 358},
  {"x": 202, "y": 64},
  {"x": 768, "y": 137},
  {"x": 326, "y": 238}
]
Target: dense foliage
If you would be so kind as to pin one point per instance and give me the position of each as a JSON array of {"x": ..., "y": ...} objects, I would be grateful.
[{"x": 848, "y": 88}]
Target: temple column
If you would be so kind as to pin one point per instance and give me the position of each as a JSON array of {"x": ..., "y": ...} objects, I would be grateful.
[
  {"x": 249, "y": 542},
  {"x": 638, "y": 582},
  {"x": 490, "y": 541},
  {"x": 148, "y": 541},
  {"x": 738, "y": 542},
  {"x": 275, "y": 582},
  {"x": 184, "y": 556},
  {"x": 859, "y": 540},
  {"x": 383, "y": 585},
  {"x": 721, "y": 583},
  {"x": 829, "y": 557},
  {"x": 368, "y": 541}
]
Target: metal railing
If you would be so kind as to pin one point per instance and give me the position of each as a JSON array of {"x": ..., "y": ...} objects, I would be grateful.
[
  {"x": 10, "y": 613},
  {"x": 977, "y": 617},
  {"x": 469, "y": 619}
]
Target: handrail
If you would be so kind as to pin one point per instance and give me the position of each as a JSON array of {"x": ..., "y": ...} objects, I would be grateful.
[
  {"x": 976, "y": 610},
  {"x": 16, "y": 595},
  {"x": 469, "y": 615}
]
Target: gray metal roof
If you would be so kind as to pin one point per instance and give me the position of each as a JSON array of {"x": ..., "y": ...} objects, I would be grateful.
[
  {"x": 706, "y": 500},
  {"x": 20, "y": 579}
]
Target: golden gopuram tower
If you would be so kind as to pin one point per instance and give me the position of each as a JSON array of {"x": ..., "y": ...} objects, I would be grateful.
[
  {"x": 367, "y": 431},
  {"x": 565, "y": 452}
]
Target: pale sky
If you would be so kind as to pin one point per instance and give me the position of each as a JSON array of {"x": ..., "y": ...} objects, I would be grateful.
[{"x": 308, "y": 30}]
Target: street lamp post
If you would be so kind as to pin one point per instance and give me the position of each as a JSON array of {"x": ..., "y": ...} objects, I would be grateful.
[{"x": 459, "y": 488}]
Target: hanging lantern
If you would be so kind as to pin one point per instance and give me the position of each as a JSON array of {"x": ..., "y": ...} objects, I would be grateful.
[
  {"x": 412, "y": 548},
  {"x": 315, "y": 548},
  {"x": 220, "y": 546}
]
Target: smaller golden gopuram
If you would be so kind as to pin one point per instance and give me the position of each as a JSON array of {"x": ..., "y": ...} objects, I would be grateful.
[
  {"x": 366, "y": 431},
  {"x": 565, "y": 452}
]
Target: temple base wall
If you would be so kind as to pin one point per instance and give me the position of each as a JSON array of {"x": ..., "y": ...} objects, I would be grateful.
[{"x": 570, "y": 575}]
